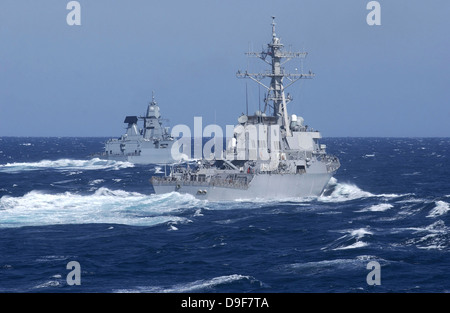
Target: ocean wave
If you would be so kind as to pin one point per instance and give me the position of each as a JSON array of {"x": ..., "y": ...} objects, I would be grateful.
[
  {"x": 96, "y": 181},
  {"x": 55, "y": 281},
  {"x": 65, "y": 164},
  {"x": 436, "y": 237},
  {"x": 441, "y": 208},
  {"x": 351, "y": 240},
  {"x": 340, "y": 192},
  {"x": 104, "y": 206},
  {"x": 325, "y": 266},
  {"x": 358, "y": 244},
  {"x": 196, "y": 286},
  {"x": 50, "y": 284},
  {"x": 360, "y": 233},
  {"x": 377, "y": 208},
  {"x": 436, "y": 227}
]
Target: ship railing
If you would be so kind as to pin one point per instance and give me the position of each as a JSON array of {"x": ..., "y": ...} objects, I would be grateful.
[
  {"x": 164, "y": 179},
  {"x": 219, "y": 182}
]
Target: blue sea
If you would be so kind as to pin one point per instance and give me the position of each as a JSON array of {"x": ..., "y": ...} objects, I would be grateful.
[{"x": 389, "y": 203}]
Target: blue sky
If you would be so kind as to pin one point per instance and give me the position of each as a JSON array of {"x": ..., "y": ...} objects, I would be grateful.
[{"x": 60, "y": 80}]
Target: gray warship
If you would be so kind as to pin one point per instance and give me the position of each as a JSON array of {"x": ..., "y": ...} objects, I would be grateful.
[
  {"x": 271, "y": 155},
  {"x": 150, "y": 145}
]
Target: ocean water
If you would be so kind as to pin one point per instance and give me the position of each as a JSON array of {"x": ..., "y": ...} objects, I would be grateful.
[{"x": 388, "y": 203}]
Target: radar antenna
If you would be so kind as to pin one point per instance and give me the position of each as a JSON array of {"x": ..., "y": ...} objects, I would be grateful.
[{"x": 275, "y": 56}]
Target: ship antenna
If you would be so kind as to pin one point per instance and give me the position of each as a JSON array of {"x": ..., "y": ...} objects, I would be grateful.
[
  {"x": 273, "y": 27},
  {"x": 275, "y": 56},
  {"x": 153, "y": 97},
  {"x": 259, "y": 96},
  {"x": 246, "y": 98}
]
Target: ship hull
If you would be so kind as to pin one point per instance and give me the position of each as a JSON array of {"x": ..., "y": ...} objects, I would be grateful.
[
  {"x": 261, "y": 187},
  {"x": 148, "y": 156}
]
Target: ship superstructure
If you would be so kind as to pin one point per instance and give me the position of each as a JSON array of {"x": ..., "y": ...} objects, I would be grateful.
[{"x": 271, "y": 155}]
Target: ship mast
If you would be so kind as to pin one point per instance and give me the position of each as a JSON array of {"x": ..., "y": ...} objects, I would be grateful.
[
  {"x": 275, "y": 56},
  {"x": 152, "y": 123}
]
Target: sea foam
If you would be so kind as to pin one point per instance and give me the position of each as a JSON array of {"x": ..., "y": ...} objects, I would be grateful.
[
  {"x": 377, "y": 208},
  {"x": 342, "y": 192},
  {"x": 65, "y": 164},
  {"x": 103, "y": 206},
  {"x": 441, "y": 208}
]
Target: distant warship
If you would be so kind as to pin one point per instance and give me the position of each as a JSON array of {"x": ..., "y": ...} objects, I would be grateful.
[
  {"x": 150, "y": 145},
  {"x": 271, "y": 155}
]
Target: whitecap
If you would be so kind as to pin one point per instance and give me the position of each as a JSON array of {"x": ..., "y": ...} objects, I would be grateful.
[
  {"x": 441, "y": 208},
  {"x": 74, "y": 173},
  {"x": 48, "y": 284},
  {"x": 324, "y": 266},
  {"x": 412, "y": 174},
  {"x": 196, "y": 286},
  {"x": 51, "y": 258},
  {"x": 320, "y": 266},
  {"x": 351, "y": 240},
  {"x": 368, "y": 258},
  {"x": 359, "y": 233},
  {"x": 61, "y": 182},
  {"x": 436, "y": 238},
  {"x": 96, "y": 181},
  {"x": 358, "y": 244},
  {"x": 343, "y": 192},
  {"x": 340, "y": 192},
  {"x": 418, "y": 200},
  {"x": 198, "y": 212},
  {"x": 377, "y": 208},
  {"x": 436, "y": 227}
]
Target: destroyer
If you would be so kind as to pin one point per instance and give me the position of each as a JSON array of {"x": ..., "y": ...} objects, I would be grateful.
[
  {"x": 151, "y": 144},
  {"x": 271, "y": 155}
]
